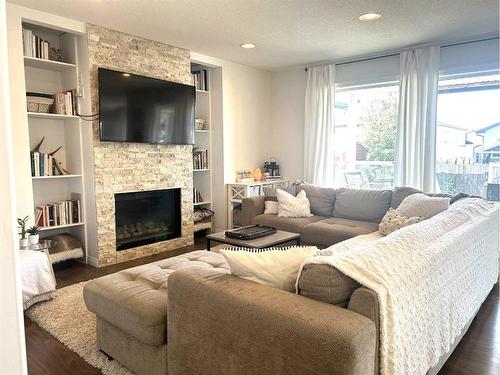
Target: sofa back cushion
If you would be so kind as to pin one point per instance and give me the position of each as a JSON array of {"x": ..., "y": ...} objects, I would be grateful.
[
  {"x": 321, "y": 199},
  {"x": 364, "y": 205},
  {"x": 325, "y": 283}
]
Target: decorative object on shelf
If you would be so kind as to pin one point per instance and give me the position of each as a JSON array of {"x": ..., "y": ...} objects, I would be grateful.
[
  {"x": 272, "y": 169},
  {"x": 23, "y": 241},
  {"x": 56, "y": 54},
  {"x": 39, "y": 102},
  {"x": 202, "y": 218},
  {"x": 34, "y": 235},
  {"x": 199, "y": 124},
  {"x": 257, "y": 174},
  {"x": 244, "y": 176}
]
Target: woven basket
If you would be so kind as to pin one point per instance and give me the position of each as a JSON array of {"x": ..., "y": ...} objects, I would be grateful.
[{"x": 39, "y": 105}]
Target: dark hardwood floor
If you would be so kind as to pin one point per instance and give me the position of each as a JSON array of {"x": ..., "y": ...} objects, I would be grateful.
[{"x": 478, "y": 353}]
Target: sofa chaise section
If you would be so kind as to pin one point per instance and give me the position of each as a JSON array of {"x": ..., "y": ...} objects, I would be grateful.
[{"x": 236, "y": 326}]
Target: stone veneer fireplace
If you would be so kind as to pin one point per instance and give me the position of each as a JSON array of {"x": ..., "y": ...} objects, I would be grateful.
[
  {"x": 147, "y": 217},
  {"x": 137, "y": 167}
]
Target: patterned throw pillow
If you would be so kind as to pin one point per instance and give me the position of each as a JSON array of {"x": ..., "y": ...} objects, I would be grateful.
[
  {"x": 393, "y": 220},
  {"x": 271, "y": 207},
  {"x": 290, "y": 206},
  {"x": 275, "y": 267}
]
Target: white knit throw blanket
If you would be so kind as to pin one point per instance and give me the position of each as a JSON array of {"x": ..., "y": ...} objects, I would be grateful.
[{"x": 430, "y": 279}]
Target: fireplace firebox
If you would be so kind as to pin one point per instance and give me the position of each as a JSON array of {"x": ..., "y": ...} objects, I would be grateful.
[{"x": 147, "y": 217}]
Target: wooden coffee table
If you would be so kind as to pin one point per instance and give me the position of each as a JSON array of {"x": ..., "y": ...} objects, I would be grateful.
[{"x": 279, "y": 238}]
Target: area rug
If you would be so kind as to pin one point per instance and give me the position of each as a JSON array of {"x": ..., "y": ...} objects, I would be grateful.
[{"x": 67, "y": 319}]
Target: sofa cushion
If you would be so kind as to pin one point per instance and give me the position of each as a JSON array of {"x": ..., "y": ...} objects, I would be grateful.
[
  {"x": 325, "y": 283},
  {"x": 321, "y": 199},
  {"x": 135, "y": 300},
  {"x": 364, "y": 205},
  {"x": 289, "y": 224},
  {"x": 400, "y": 193},
  {"x": 329, "y": 231}
]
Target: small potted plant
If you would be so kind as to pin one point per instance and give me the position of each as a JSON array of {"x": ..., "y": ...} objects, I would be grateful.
[
  {"x": 23, "y": 242},
  {"x": 33, "y": 235}
]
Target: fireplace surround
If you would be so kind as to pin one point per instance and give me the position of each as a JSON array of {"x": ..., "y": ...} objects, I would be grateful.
[{"x": 147, "y": 217}]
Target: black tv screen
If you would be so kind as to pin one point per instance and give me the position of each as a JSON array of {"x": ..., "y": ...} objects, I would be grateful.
[{"x": 139, "y": 109}]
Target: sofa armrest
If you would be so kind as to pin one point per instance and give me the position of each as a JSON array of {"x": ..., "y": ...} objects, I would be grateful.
[
  {"x": 251, "y": 207},
  {"x": 222, "y": 324}
]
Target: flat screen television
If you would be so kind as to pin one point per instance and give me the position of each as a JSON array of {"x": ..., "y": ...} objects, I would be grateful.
[{"x": 134, "y": 108}]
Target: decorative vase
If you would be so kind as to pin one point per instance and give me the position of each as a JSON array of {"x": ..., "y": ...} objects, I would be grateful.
[
  {"x": 33, "y": 240},
  {"x": 23, "y": 242},
  {"x": 257, "y": 174}
]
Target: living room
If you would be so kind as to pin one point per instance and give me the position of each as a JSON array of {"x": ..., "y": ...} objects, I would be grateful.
[{"x": 265, "y": 154}]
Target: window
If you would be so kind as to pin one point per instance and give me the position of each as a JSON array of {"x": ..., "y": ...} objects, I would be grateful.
[
  {"x": 365, "y": 136},
  {"x": 468, "y": 136}
]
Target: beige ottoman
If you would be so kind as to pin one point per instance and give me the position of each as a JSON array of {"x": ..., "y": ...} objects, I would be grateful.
[{"x": 131, "y": 310}]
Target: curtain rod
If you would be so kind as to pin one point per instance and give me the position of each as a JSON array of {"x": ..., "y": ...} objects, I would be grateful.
[{"x": 405, "y": 49}]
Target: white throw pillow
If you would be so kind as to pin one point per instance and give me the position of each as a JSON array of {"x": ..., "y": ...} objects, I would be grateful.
[
  {"x": 393, "y": 220},
  {"x": 290, "y": 206},
  {"x": 422, "y": 205},
  {"x": 274, "y": 267},
  {"x": 271, "y": 207}
]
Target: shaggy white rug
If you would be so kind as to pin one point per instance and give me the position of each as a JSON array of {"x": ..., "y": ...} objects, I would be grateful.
[{"x": 67, "y": 319}]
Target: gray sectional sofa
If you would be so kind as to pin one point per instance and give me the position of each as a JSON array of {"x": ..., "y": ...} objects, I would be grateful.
[{"x": 339, "y": 214}]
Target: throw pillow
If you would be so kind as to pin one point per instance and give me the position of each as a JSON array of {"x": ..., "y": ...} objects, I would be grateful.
[
  {"x": 393, "y": 220},
  {"x": 423, "y": 205},
  {"x": 290, "y": 206},
  {"x": 270, "y": 191},
  {"x": 271, "y": 207},
  {"x": 274, "y": 267}
]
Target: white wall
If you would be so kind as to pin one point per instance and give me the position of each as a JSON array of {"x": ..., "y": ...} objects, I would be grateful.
[{"x": 12, "y": 344}]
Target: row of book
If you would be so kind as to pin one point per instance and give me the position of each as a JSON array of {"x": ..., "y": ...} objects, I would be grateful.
[
  {"x": 200, "y": 80},
  {"x": 65, "y": 103},
  {"x": 197, "y": 197},
  {"x": 44, "y": 165},
  {"x": 35, "y": 46},
  {"x": 200, "y": 159},
  {"x": 60, "y": 213}
]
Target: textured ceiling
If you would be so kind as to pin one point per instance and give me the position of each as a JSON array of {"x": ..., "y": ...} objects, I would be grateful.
[{"x": 287, "y": 32}]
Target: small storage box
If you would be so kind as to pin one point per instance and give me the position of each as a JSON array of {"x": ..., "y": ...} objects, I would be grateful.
[{"x": 39, "y": 104}]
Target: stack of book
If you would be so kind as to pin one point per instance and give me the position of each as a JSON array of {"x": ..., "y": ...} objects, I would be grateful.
[
  {"x": 197, "y": 198},
  {"x": 65, "y": 103},
  {"x": 60, "y": 213},
  {"x": 35, "y": 46},
  {"x": 43, "y": 165},
  {"x": 200, "y": 80},
  {"x": 200, "y": 159}
]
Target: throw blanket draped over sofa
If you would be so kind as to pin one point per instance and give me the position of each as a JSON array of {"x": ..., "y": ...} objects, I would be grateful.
[{"x": 430, "y": 279}]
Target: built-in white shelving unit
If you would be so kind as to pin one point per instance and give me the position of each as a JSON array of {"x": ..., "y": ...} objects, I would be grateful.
[
  {"x": 202, "y": 177},
  {"x": 50, "y": 77}
]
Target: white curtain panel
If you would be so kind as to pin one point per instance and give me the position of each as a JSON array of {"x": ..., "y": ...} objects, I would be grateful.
[
  {"x": 319, "y": 158},
  {"x": 416, "y": 139}
]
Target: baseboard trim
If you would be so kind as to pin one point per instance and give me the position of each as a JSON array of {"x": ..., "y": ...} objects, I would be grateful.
[{"x": 92, "y": 261}]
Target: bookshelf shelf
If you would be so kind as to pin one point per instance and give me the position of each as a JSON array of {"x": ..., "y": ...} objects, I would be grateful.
[
  {"x": 202, "y": 170},
  {"x": 201, "y": 91},
  {"x": 43, "y": 229},
  {"x": 61, "y": 177},
  {"x": 202, "y": 203},
  {"x": 202, "y": 131},
  {"x": 57, "y": 66},
  {"x": 52, "y": 116}
]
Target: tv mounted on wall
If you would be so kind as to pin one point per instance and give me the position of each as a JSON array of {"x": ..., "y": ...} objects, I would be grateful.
[{"x": 134, "y": 108}]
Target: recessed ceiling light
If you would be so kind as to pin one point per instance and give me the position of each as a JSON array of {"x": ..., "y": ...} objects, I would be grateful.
[
  {"x": 126, "y": 74},
  {"x": 247, "y": 45},
  {"x": 370, "y": 17}
]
